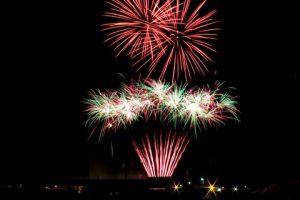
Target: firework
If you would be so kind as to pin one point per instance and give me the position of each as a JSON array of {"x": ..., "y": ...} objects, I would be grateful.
[
  {"x": 160, "y": 155},
  {"x": 137, "y": 26},
  {"x": 195, "y": 108},
  {"x": 167, "y": 34},
  {"x": 185, "y": 49}
]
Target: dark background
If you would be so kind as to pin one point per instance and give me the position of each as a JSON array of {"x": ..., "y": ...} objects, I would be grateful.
[{"x": 61, "y": 57}]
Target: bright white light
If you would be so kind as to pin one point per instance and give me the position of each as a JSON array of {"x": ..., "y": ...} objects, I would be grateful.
[
  {"x": 219, "y": 189},
  {"x": 189, "y": 182},
  {"x": 235, "y": 189}
]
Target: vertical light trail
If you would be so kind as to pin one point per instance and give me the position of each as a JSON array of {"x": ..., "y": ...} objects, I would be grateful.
[{"x": 161, "y": 154}]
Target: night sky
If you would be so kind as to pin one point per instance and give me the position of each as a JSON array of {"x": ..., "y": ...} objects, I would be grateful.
[{"x": 42, "y": 132}]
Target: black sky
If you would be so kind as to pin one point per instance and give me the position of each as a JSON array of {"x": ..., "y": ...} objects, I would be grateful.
[{"x": 42, "y": 132}]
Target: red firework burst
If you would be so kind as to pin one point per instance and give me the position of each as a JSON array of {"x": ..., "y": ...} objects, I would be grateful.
[
  {"x": 138, "y": 25},
  {"x": 170, "y": 35},
  {"x": 184, "y": 51}
]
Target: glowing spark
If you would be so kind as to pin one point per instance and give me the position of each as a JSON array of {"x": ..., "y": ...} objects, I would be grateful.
[
  {"x": 211, "y": 188},
  {"x": 235, "y": 189},
  {"x": 176, "y": 187}
]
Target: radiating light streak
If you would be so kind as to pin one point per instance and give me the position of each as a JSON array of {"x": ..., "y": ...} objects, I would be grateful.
[
  {"x": 160, "y": 155},
  {"x": 162, "y": 35}
]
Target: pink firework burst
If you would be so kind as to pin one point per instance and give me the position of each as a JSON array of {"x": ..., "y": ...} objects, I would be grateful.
[
  {"x": 163, "y": 37},
  {"x": 188, "y": 40},
  {"x": 137, "y": 25},
  {"x": 160, "y": 155}
]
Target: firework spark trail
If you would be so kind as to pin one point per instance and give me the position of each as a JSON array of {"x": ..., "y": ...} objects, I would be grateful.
[
  {"x": 168, "y": 34},
  {"x": 185, "y": 48},
  {"x": 137, "y": 26},
  {"x": 161, "y": 155},
  {"x": 195, "y": 108}
]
